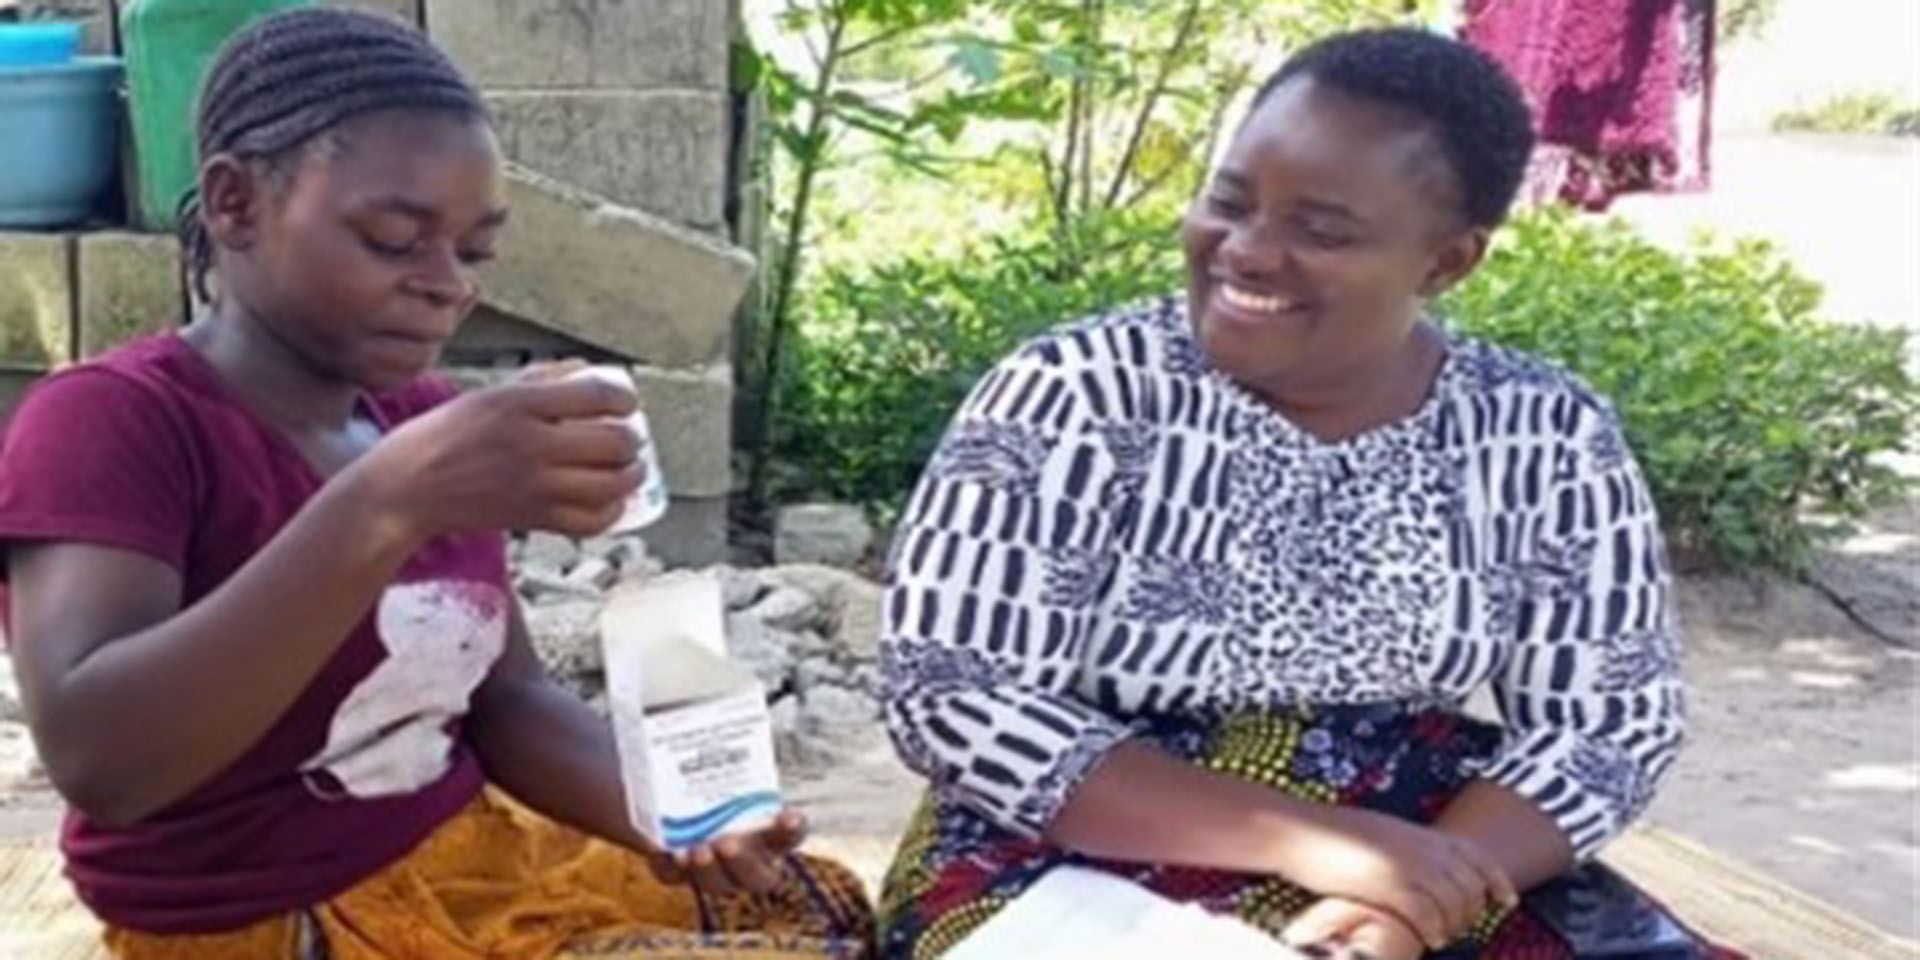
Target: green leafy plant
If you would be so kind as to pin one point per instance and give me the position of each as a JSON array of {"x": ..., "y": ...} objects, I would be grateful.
[
  {"x": 1759, "y": 425},
  {"x": 890, "y": 351},
  {"x": 1741, "y": 20},
  {"x": 1097, "y": 111},
  {"x": 1873, "y": 111},
  {"x": 1750, "y": 415}
]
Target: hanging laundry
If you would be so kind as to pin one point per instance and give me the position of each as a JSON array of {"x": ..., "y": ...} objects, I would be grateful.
[{"x": 1621, "y": 90}]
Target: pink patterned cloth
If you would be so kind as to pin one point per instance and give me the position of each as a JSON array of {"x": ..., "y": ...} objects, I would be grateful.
[{"x": 1621, "y": 90}]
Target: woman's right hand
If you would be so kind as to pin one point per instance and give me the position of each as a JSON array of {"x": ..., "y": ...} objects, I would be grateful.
[
  {"x": 1440, "y": 884},
  {"x": 541, "y": 452}
]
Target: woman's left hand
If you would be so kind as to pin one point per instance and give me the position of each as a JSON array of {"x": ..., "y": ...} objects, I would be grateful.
[
  {"x": 1354, "y": 930},
  {"x": 747, "y": 863}
]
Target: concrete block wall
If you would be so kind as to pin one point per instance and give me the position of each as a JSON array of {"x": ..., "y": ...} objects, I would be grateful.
[
  {"x": 628, "y": 100},
  {"x": 619, "y": 113},
  {"x": 65, "y": 296},
  {"x": 617, "y": 116}
]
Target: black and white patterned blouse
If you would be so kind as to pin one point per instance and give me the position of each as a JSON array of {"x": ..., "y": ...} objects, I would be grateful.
[{"x": 1112, "y": 530}]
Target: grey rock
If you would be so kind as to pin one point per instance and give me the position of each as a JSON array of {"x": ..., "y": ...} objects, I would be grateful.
[
  {"x": 621, "y": 550},
  {"x": 810, "y": 645},
  {"x": 536, "y": 588},
  {"x": 834, "y": 727},
  {"x": 836, "y": 711},
  {"x": 856, "y": 629},
  {"x": 628, "y": 555},
  {"x": 866, "y": 679},
  {"x": 833, "y": 535},
  {"x": 10, "y": 709},
  {"x": 594, "y": 573},
  {"x": 851, "y": 605},
  {"x": 596, "y": 700},
  {"x": 825, "y": 583},
  {"x": 784, "y": 715},
  {"x": 741, "y": 588},
  {"x": 566, "y": 635},
  {"x": 767, "y": 652},
  {"x": 788, "y": 608},
  {"x": 810, "y": 675},
  {"x": 547, "y": 553},
  {"x": 20, "y": 766}
]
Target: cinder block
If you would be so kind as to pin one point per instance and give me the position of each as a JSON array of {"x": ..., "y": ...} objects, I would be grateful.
[
  {"x": 36, "y": 301},
  {"x": 130, "y": 285},
  {"x": 95, "y": 17},
  {"x": 664, "y": 152},
  {"x": 595, "y": 44},
  {"x": 615, "y": 278},
  {"x": 404, "y": 10},
  {"x": 691, "y": 415},
  {"x": 693, "y": 533}
]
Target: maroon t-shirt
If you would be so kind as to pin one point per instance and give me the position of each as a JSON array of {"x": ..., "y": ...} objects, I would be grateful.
[{"x": 144, "y": 450}]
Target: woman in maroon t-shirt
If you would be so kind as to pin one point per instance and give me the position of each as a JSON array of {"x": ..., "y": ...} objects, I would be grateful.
[{"x": 260, "y": 608}]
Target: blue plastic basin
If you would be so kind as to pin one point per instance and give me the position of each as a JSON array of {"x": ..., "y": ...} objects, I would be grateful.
[
  {"x": 38, "y": 44},
  {"x": 62, "y": 145}
]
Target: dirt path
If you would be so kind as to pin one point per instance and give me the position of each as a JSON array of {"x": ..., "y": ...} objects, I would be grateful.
[{"x": 1802, "y": 760}]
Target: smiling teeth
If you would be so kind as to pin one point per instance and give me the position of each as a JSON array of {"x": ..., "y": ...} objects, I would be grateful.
[{"x": 1248, "y": 300}]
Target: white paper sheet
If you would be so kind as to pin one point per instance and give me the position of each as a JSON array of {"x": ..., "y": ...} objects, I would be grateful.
[{"x": 1074, "y": 912}]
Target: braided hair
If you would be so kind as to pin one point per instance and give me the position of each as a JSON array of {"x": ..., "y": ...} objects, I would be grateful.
[{"x": 291, "y": 78}]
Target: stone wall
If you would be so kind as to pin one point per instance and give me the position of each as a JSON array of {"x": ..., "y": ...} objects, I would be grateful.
[{"x": 617, "y": 116}]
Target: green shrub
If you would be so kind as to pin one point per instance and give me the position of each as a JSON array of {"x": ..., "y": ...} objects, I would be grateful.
[
  {"x": 1860, "y": 112},
  {"x": 885, "y": 354},
  {"x": 1749, "y": 414}
]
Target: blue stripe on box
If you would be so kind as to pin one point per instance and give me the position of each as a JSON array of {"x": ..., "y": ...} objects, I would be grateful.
[{"x": 687, "y": 831}]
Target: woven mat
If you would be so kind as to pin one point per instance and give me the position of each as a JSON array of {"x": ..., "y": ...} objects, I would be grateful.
[
  {"x": 1741, "y": 908},
  {"x": 39, "y": 918},
  {"x": 1724, "y": 900}
]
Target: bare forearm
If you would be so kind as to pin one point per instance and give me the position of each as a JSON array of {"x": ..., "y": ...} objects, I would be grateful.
[
  {"x": 547, "y": 749},
  {"x": 126, "y": 725},
  {"x": 1524, "y": 841},
  {"x": 1144, "y": 805}
]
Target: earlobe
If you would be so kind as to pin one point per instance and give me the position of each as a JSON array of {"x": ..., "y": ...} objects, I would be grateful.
[
  {"x": 229, "y": 202},
  {"x": 1456, "y": 259}
]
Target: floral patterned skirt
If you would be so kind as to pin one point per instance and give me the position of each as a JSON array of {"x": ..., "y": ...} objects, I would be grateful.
[
  {"x": 954, "y": 869},
  {"x": 499, "y": 880}
]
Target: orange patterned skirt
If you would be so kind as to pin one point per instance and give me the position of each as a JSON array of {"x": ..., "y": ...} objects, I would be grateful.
[{"x": 500, "y": 881}]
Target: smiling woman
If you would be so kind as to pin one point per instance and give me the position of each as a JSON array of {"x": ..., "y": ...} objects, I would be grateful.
[{"x": 1196, "y": 592}]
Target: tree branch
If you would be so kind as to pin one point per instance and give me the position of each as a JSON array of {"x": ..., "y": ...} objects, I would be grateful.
[
  {"x": 885, "y": 36},
  {"x": 1096, "y": 24},
  {"x": 788, "y": 271},
  {"x": 1189, "y": 20}
]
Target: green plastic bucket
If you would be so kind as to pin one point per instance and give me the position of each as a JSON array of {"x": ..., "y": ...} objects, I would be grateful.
[{"x": 169, "y": 45}]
